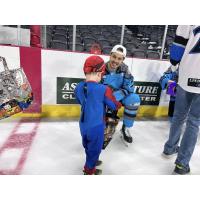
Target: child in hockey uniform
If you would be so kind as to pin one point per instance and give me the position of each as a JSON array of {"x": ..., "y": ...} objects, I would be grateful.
[
  {"x": 168, "y": 79},
  {"x": 93, "y": 97}
]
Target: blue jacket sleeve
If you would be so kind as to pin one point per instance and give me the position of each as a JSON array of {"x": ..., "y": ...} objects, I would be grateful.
[
  {"x": 178, "y": 47},
  {"x": 176, "y": 53}
]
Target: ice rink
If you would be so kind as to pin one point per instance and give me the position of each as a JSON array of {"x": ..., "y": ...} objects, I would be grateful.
[{"x": 53, "y": 147}]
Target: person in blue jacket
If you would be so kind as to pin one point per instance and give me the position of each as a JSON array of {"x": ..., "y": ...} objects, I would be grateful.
[
  {"x": 93, "y": 96},
  {"x": 119, "y": 78},
  {"x": 169, "y": 81}
]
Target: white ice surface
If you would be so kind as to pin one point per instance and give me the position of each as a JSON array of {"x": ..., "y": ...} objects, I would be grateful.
[
  {"x": 25, "y": 128},
  {"x": 10, "y": 158},
  {"x": 6, "y": 127},
  {"x": 57, "y": 149}
]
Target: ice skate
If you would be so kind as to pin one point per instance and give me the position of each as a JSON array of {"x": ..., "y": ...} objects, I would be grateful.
[
  {"x": 97, "y": 172},
  {"x": 126, "y": 136},
  {"x": 111, "y": 124}
]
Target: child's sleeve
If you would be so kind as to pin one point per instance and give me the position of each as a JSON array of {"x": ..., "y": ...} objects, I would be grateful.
[
  {"x": 76, "y": 95},
  {"x": 110, "y": 100}
]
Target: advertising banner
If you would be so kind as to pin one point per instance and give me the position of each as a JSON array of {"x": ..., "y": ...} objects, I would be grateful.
[
  {"x": 149, "y": 92},
  {"x": 65, "y": 90}
]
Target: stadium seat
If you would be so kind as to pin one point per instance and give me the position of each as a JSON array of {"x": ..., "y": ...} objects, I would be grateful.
[
  {"x": 139, "y": 54},
  {"x": 153, "y": 54},
  {"x": 61, "y": 27},
  {"x": 78, "y": 39},
  {"x": 100, "y": 37},
  {"x": 114, "y": 42},
  {"x": 130, "y": 45},
  {"x": 48, "y": 39},
  {"x": 78, "y": 47},
  {"x": 143, "y": 37},
  {"x": 107, "y": 49},
  {"x": 58, "y": 45},
  {"x": 60, "y": 31},
  {"x": 103, "y": 42},
  {"x": 60, "y": 37},
  {"x": 143, "y": 46},
  {"x": 89, "y": 40},
  {"x": 106, "y": 33},
  {"x": 135, "y": 41}
]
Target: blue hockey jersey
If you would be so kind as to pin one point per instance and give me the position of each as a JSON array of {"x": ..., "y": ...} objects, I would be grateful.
[{"x": 121, "y": 79}]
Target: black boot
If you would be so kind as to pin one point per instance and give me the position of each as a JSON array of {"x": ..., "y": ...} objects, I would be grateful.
[{"x": 126, "y": 134}]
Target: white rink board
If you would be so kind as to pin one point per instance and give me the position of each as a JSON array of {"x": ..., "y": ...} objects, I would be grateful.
[
  {"x": 148, "y": 70},
  {"x": 69, "y": 64}
]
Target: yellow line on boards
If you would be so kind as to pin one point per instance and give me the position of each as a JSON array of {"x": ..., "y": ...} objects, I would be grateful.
[{"x": 73, "y": 111}]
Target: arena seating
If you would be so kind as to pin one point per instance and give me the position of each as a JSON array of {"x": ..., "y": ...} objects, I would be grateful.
[{"x": 140, "y": 40}]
